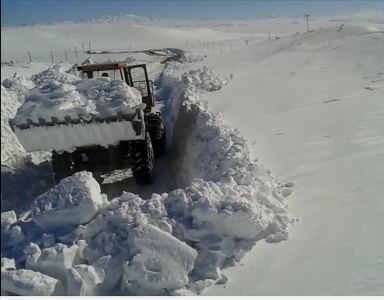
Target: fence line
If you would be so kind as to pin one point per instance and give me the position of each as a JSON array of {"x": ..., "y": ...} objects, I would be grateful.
[{"x": 71, "y": 54}]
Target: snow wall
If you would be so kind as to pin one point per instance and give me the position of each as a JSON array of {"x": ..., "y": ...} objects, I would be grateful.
[{"x": 76, "y": 242}]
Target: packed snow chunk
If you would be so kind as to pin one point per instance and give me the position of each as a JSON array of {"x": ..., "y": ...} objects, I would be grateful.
[
  {"x": 7, "y": 219},
  {"x": 53, "y": 99},
  {"x": 229, "y": 210},
  {"x": 74, "y": 201},
  {"x": 160, "y": 261},
  {"x": 182, "y": 292},
  {"x": 7, "y": 264},
  {"x": 89, "y": 280},
  {"x": 18, "y": 84},
  {"x": 29, "y": 283},
  {"x": 53, "y": 261},
  {"x": 129, "y": 208},
  {"x": 84, "y": 99},
  {"x": 204, "y": 79},
  {"x": 12, "y": 237},
  {"x": 56, "y": 74},
  {"x": 110, "y": 96}
]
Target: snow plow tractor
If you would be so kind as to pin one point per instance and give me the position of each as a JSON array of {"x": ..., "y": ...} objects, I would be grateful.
[{"x": 101, "y": 133}]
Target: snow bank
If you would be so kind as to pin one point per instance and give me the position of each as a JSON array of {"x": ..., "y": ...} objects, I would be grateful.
[
  {"x": 204, "y": 79},
  {"x": 169, "y": 244},
  {"x": 10, "y": 145},
  {"x": 231, "y": 199}
]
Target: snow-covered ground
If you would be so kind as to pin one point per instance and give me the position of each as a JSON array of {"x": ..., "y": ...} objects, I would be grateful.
[{"x": 309, "y": 105}]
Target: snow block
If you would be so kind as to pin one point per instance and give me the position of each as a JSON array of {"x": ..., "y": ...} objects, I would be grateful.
[
  {"x": 98, "y": 278},
  {"x": 222, "y": 209},
  {"x": 7, "y": 219},
  {"x": 29, "y": 283},
  {"x": 13, "y": 238},
  {"x": 7, "y": 264},
  {"x": 53, "y": 261},
  {"x": 159, "y": 260},
  {"x": 74, "y": 201}
]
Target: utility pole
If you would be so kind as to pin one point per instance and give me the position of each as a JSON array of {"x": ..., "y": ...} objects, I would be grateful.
[
  {"x": 52, "y": 56},
  {"x": 29, "y": 55},
  {"x": 269, "y": 35},
  {"x": 75, "y": 51},
  {"x": 307, "y": 22}
]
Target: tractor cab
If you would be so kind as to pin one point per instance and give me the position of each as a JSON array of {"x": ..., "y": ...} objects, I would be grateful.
[{"x": 135, "y": 76}]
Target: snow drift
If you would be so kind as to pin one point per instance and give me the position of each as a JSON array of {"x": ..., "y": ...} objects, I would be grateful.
[{"x": 174, "y": 243}]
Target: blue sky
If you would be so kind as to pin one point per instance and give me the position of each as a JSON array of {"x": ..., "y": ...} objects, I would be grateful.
[{"x": 18, "y": 12}]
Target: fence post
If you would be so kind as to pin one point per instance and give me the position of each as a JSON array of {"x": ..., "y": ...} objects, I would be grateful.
[
  {"x": 29, "y": 54},
  {"x": 52, "y": 56}
]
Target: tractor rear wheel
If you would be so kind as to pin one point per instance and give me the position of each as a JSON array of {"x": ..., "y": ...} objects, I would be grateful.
[
  {"x": 142, "y": 160},
  {"x": 156, "y": 128},
  {"x": 160, "y": 145}
]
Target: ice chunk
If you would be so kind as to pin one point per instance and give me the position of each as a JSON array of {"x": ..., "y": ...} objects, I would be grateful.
[
  {"x": 159, "y": 260},
  {"x": 32, "y": 254},
  {"x": 7, "y": 264},
  {"x": 53, "y": 261},
  {"x": 7, "y": 219},
  {"x": 75, "y": 200},
  {"x": 183, "y": 292},
  {"x": 199, "y": 286},
  {"x": 29, "y": 283},
  {"x": 13, "y": 238},
  {"x": 75, "y": 284},
  {"x": 98, "y": 278}
]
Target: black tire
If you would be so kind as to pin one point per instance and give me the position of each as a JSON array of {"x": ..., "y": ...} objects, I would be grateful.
[
  {"x": 155, "y": 127},
  {"x": 142, "y": 160},
  {"x": 62, "y": 165},
  {"x": 160, "y": 145}
]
